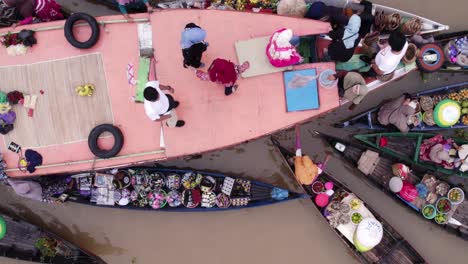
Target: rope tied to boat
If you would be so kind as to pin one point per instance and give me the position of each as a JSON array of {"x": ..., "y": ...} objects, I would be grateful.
[
  {"x": 412, "y": 26},
  {"x": 389, "y": 22}
]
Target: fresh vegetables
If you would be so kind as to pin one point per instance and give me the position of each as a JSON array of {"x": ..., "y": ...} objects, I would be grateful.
[
  {"x": 441, "y": 218},
  {"x": 355, "y": 204},
  {"x": 356, "y": 218},
  {"x": 443, "y": 205},
  {"x": 456, "y": 195},
  {"x": 429, "y": 211},
  {"x": 318, "y": 187}
]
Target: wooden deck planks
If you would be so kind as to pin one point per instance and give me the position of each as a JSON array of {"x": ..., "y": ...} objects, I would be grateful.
[{"x": 61, "y": 116}]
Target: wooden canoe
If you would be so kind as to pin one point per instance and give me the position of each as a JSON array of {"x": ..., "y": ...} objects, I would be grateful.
[
  {"x": 406, "y": 147},
  {"x": 19, "y": 242},
  {"x": 368, "y": 119},
  {"x": 381, "y": 175},
  {"x": 133, "y": 188},
  {"x": 392, "y": 249}
]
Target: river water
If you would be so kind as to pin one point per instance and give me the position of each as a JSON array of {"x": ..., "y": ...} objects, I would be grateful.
[{"x": 292, "y": 232}]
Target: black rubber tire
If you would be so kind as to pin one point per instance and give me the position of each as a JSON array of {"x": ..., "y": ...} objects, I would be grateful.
[
  {"x": 95, "y": 30},
  {"x": 430, "y": 67},
  {"x": 93, "y": 138}
]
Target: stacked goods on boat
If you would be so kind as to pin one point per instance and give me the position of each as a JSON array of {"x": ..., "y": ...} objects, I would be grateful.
[
  {"x": 456, "y": 53},
  {"x": 461, "y": 97},
  {"x": 169, "y": 189},
  {"x": 434, "y": 198},
  {"x": 347, "y": 213}
]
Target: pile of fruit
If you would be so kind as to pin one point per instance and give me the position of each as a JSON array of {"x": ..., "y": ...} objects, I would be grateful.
[{"x": 462, "y": 98}]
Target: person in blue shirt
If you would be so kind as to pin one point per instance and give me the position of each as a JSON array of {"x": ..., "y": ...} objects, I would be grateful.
[
  {"x": 136, "y": 4},
  {"x": 193, "y": 45}
]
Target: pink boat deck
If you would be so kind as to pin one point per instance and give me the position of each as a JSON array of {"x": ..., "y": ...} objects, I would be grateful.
[{"x": 213, "y": 120}]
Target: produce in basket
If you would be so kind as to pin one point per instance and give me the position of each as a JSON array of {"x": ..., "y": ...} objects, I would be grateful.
[
  {"x": 429, "y": 211},
  {"x": 456, "y": 195},
  {"x": 428, "y": 118},
  {"x": 443, "y": 205},
  {"x": 174, "y": 198},
  {"x": 223, "y": 201},
  {"x": 191, "y": 180},
  {"x": 356, "y": 218},
  {"x": 442, "y": 188},
  {"x": 465, "y": 119},
  {"x": 441, "y": 218},
  {"x": 173, "y": 181},
  {"x": 355, "y": 204},
  {"x": 318, "y": 187},
  {"x": 426, "y": 102}
]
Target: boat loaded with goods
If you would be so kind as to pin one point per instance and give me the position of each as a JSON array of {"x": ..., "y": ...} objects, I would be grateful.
[
  {"x": 20, "y": 240},
  {"x": 158, "y": 189},
  {"x": 432, "y": 197},
  {"x": 370, "y": 238},
  {"x": 440, "y": 108},
  {"x": 434, "y": 152}
]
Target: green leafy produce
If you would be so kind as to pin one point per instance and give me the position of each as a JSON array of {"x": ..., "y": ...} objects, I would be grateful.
[
  {"x": 428, "y": 211},
  {"x": 465, "y": 103},
  {"x": 356, "y": 218},
  {"x": 440, "y": 218},
  {"x": 464, "y": 111}
]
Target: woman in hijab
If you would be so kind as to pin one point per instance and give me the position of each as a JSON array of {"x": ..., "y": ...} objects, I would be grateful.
[
  {"x": 280, "y": 51},
  {"x": 345, "y": 40},
  {"x": 134, "y": 4},
  {"x": 193, "y": 45},
  {"x": 224, "y": 72}
]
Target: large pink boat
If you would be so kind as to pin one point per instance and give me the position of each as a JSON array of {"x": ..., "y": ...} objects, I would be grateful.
[{"x": 62, "y": 120}]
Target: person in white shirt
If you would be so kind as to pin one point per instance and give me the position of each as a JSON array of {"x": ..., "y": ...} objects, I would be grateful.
[
  {"x": 160, "y": 106},
  {"x": 387, "y": 59}
]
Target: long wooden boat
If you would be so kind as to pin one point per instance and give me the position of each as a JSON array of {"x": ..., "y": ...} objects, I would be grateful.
[
  {"x": 380, "y": 176},
  {"x": 62, "y": 120},
  {"x": 24, "y": 241},
  {"x": 392, "y": 249},
  {"x": 368, "y": 119},
  {"x": 445, "y": 40},
  {"x": 165, "y": 189},
  {"x": 406, "y": 147}
]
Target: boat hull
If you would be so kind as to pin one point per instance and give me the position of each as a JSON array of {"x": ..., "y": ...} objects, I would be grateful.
[{"x": 368, "y": 119}]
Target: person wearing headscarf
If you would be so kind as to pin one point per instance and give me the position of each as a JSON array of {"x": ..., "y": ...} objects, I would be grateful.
[
  {"x": 345, "y": 40},
  {"x": 280, "y": 51},
  {"x": 136, "y": 4},
  {"x": 224, "y": 72},
  {"x": 320, "y": 11},
  {"x": 400, "y": 112},
  {"x": 30, "y": 11},
  {"x": 193, "y": 45}
]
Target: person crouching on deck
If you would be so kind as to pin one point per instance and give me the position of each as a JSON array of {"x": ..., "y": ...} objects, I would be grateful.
[
  {"x": 134, "y": 4},
  {"x": 193, "y": 45},
  {"x": 160, "y": 106},
  {"x": 224, "y": 72},
  {"x": 35, "y": 11}
]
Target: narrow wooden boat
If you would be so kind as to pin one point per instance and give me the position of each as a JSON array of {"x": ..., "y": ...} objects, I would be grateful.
[
  {"x": 406, "y": 147},
  {"x": 446, "y": 41},
  {"x": 61, "y": 123},
  {"x": 392, "y": 249},
  {"x": 165, "y": 189},
  {"x": 382, "y": 172},
  {"x": 368, "y": 119},
  {"x": 24, "y": 241}
]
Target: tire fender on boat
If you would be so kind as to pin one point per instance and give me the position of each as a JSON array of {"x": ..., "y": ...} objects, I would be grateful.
[
  {"x": 95, "y": 30},
  {"x": 433, "y": 64},
  {"x": 94, "y": 136}
]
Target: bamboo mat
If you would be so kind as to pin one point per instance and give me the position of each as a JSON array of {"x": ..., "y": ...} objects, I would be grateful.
[{"x": 61, "y": 116}]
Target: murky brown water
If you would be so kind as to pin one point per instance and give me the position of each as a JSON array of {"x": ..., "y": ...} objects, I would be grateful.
[{"x": 291, "y": 232}]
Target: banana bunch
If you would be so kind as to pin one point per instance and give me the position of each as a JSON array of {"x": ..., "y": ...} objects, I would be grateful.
[{"x": 85, "y": 90}]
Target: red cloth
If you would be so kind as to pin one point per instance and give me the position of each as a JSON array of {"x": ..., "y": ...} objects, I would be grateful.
[
  {"x": 223, "y": 71},
  {"x": 408, "y": 192}
]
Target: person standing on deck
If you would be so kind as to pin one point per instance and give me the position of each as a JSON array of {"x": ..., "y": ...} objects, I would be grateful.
[
  {"x": 390, "y": 54},
  {"x": 193, "y": 45},
  {"x": 160, "y": 106},
  {"x": 224, "y": 72},
  {"x": 136, "y": 4}
]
